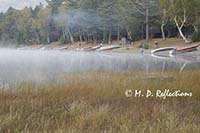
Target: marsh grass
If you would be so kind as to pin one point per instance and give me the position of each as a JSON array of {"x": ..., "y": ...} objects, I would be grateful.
[{"x": 96, "y": 102}]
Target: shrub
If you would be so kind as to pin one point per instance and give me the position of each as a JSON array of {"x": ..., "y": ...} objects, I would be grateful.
[
  {"x": 196, "y": 36},
  {"x": 146, "y": 46},
  {"x": 62, "y": 40}
]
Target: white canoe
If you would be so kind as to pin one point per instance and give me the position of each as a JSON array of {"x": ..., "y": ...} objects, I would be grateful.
[
  {"x": 92, "y": 48},
  {"x": 109, "y": 47},
  {"x": 162, "y": 49}
]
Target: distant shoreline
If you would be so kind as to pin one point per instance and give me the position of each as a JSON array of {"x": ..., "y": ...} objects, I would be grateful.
[{"x": 80, "y": 46}]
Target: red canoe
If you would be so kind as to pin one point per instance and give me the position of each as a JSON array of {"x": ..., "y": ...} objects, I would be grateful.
[{"x": 185, "y": 49}]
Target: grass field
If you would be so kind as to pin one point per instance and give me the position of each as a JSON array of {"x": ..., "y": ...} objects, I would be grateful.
[{"x": 96, "y": 102}]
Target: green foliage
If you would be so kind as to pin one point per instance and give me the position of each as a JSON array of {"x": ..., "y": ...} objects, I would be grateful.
[
  {"x": 54, "y": 4},
  {"x": 184, "y": 11},
  {"x": 93, "y": 20},
  {"x": 62, "y": 40},
  {"x": 196, "y": 36},
  {"x": 146, "y": 46}
]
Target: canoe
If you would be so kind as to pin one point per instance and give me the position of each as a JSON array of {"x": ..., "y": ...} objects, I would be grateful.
[
  {"x": 105, "y": 48},
  {"x": 184, "y": 49},
  {"x": 92, "y": 48},
  {"x": 162, "y": 49},
  {"x": 61, "y": 48}
]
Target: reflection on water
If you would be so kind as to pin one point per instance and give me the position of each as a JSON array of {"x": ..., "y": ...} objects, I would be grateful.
[{"x": 20, "y": 65}]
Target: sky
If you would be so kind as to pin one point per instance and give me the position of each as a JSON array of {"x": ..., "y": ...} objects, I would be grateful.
[{"x": 18, "y": 4}]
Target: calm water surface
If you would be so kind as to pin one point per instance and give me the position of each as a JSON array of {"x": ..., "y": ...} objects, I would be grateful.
[{"x": 36, "y": 65}]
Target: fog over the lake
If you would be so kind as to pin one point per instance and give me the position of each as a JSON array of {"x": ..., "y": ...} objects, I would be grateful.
[{"x": 41, "y": 66}]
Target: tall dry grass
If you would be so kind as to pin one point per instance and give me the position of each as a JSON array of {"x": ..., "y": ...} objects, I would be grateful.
[{"x": 96, "y": 102}]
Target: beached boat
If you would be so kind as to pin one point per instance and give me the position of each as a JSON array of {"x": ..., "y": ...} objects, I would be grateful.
[
  {"x": 162, "y": 49},
  {"x": 61, "y": 48},
  {"x": 184, "y": 49},
  {"x": 92, "y": 48},
  {"x": 105, "y": 48}
]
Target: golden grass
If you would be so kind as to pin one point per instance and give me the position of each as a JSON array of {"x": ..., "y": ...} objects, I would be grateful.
[
  {"x": 164, "y": 43},
  {"x": 96, "y": 102},
  {"x": 169, "y": 42}
]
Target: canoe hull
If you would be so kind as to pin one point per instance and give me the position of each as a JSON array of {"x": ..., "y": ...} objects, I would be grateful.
[
  {"x": 162, "y": 49},
  {"x": 92, "y": 48},
  {"x": 184, "y": 49},
  {"x": 108, "y": 48}
]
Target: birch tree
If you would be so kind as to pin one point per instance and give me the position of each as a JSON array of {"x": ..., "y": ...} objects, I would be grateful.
[
  {"x": 163, "y": 15},
  {"x": 181, "y": 12}
]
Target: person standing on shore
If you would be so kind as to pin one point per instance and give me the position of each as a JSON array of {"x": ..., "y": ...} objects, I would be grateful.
[
  {"x": 156, "y": 44},
  {"x": 141, "y": 46}
]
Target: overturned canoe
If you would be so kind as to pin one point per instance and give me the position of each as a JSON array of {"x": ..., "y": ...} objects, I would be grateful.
[
  {"x": 184, "y": 49},
  {"x": 92, "y": 48},
  {"x": 61, "y": 48},
  {"x": 162, "y": 49},
  {"x": 105, "y": 48}
]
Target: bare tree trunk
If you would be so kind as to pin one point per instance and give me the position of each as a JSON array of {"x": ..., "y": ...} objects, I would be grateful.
[
  {"x": 71, "y": 37},
  {"x": 129, "y": 34},
  {"x": 118, "y": 34},
  {"x": 80, "y": 36},
  {"x": 164, "y": 22},
  {"x": 37, "y": 37},
  {"x": 181, "y": 26},
  {"x": 88, "y": 38},
  {"x": 181, "y": 33},
  {"x": 147, "y": 24},
  {"x": 195, "y": 28},
  {"x": 48, "y": 39},
  {"x": 64, "y": 34},
  {"x": 95, "y": 39},
  {"x": 180, "y": 30},
  {"x": 163, "y": 32},
  {"x": 84, "y": 37},
  {"x": 142, "y": 31},
  {"x": 109, "y": 37}
]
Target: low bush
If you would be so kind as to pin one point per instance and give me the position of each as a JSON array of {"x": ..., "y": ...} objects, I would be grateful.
[{"x": 196, "y": 36}]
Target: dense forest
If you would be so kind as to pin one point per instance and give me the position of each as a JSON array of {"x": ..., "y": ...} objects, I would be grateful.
[{"x": 69, "y": 21}]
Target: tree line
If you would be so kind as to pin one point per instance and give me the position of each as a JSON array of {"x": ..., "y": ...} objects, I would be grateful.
[{"x": 69, "y": 21}]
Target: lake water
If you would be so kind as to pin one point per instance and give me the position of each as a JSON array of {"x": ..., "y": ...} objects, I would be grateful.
[{"x": 36, "y": 65}]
